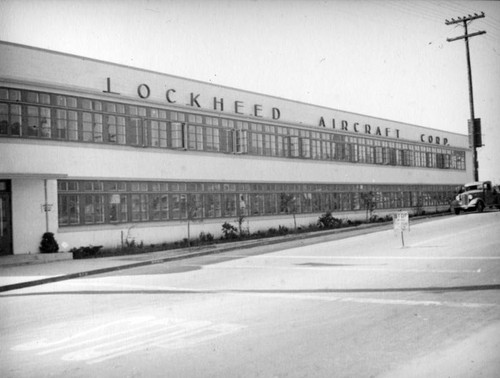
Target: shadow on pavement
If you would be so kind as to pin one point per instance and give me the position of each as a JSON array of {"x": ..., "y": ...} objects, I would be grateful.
[{"x": 432, "y": 289}]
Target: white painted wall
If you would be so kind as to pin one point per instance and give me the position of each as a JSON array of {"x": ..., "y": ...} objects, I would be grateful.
[
  {"x": 121, "y": 162},
  {"x": 29, "y": 221}
]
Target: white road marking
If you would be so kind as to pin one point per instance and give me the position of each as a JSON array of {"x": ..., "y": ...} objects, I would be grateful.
[
  {"x": 40, "y": 344},
  {"x": 118, "y": 338},
  {"x": 403, "y": 302}
]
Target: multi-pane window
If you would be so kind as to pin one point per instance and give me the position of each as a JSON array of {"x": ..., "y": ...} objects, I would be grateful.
[
  {"x": 138, "y": 134},
  {"x": 460, "y": 160},
  {"x": 179, "y": 135},
  {"x": 195, "y": 206},
  {"x": 118, "y": 208},
  {"x": 269, "y": 141},
  {"x": 66, "y": 124},
  {"x": 408, "y": 158},
  {"x": 399, "y": 157},
  {"x": 294, "y": 146},
  {"x": 10, "y": 94},
  {"x": 66, "y": 101},
  {"x": 39, "y": 122},
  {"x": 212, "y": 205},
  {"x": 93, "y": 208},
  {"x": 159, "y": 206},
  {"x": 229, "y": 202},
  {"x": 116, "y": 129},
  {"x": 316, "y": 146},
  {"x": 10, "y": 119},
  {"x": 256, "y": 143},
  {"x": 354, "y": 153},
  {"x": 306, "y": 202},
  {"x": 378, "y": 155},
  {"x": 158, "y": 133},
  {"x": 430, "y": 159},
  {"x": 195, "y": 137},
  {"x": 92, "y": 127},
  {"x": 305, "y": 147},
  {"x": 212, "y": 139},
  {"x": 304, "y": 144},
  {"x": 69, "y": 210},
  {"x": 179, "y": 206},
  {"x": 241, "y": 141},
  {"x": 140, "y": 208},
  {"x": 283, "y": 146}
]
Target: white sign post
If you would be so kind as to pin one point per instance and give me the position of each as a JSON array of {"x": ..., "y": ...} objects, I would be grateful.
[{"x": 401, "y": 222}]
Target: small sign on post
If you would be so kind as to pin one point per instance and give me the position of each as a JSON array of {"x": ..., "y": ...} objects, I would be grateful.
[{"x": 401, "y": 222}]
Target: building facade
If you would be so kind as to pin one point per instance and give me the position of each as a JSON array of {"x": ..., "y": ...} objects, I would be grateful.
[{"x": 99, "y": 153}]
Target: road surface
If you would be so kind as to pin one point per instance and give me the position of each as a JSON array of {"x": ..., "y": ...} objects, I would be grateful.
[{"x": 358, "y": 307}]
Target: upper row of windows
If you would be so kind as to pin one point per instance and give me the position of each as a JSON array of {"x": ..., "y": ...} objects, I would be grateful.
[
  {"x": 42, "y": 115},
  {"x": 79, "y": 103}
]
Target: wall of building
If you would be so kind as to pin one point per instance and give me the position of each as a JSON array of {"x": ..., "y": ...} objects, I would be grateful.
[
  {"x": 29, "y": 221},
  {"x": 116, "y": 162}
]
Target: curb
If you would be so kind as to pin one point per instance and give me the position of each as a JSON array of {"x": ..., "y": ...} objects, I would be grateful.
[{"x": 368, "y": 228}]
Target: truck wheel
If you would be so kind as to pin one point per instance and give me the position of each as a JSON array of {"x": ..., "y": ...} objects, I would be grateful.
[
  {"x": 457, "y": 211},
  {"x": 479, "y": 207}
]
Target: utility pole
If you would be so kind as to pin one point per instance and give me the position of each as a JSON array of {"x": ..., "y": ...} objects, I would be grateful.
[{"x": 474, "y": 124}]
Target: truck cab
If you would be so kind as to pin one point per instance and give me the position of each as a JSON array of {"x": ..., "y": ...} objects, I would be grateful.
[{"x": 476, "y": 196}]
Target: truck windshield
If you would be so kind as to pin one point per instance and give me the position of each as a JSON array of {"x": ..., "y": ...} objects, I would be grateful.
[{"x": 472, "y": 187}]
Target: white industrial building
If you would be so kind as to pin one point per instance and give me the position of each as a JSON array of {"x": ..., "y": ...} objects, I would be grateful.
[{"x": 94, "y": 152}]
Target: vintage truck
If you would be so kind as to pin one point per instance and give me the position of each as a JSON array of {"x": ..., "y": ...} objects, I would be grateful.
[{"x": 476, "y": 196}]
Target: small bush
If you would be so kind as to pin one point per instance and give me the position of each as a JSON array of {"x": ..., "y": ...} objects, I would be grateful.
[
  {"x": 229, "y": 231},
  {"x": 86, "y": 252},
  {"x": 206, "y": 238},
  {"x": 282, "y": 230},
  {"x": 327, "y": 221},
  {"x": 272, "y": 231},
  {"x": 48, "y": 243}
]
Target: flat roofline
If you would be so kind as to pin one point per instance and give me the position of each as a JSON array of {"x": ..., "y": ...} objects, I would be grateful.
[
  {"x": 213, "y": 84},
  {"x": 32, "y": 175}
]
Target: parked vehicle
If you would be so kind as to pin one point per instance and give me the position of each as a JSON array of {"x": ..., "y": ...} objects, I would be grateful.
[{"x": 477, "y": 196}]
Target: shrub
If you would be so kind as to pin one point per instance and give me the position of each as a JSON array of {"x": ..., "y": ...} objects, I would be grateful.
[
  {"x": 48, "y": 243},
  {"x": 229, "y": 231},
  {"x": 328, "y": 221},
  {"x": 282, "y": 230},
  {"x": 272, "y": 231},
  {"x": 206, "y": 238},
  {"x": 86, "y": 252}
]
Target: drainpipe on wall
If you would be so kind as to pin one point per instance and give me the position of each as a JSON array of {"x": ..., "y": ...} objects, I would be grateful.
[{"x": 45, "y": 207}]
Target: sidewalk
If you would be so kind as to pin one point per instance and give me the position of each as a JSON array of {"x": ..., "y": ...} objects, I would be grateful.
[{"x": 20, "y": 271}]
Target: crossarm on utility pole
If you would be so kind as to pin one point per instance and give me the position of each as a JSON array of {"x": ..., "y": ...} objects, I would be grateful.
[{"x": 466, "y": 36}]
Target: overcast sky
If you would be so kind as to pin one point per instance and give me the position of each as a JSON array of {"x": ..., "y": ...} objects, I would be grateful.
[{"x": 387, "y": 59}]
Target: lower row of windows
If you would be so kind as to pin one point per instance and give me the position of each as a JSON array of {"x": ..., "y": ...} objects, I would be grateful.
[{"x": 118, "y": 207}]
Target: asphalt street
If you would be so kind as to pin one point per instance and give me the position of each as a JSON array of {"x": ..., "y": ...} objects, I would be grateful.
[{"x": 358, "y": 307}]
